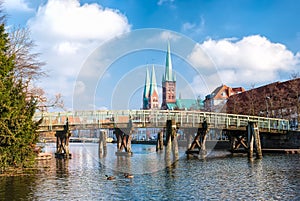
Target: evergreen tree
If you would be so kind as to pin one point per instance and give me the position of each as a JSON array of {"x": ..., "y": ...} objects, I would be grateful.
[{"x": 18, "y": 131}]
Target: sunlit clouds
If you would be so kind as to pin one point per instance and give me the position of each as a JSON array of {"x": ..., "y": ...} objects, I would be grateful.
[{"x": 250, "y": 60}]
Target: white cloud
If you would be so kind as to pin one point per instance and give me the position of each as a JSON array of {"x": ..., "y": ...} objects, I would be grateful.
[
  {"x": 167, "y": 35},
  {"x": 66, "y": 33},
  {"x": 80, "y": 87},
  {"x": 18, "y": 5},
  {"x": 194, "y": 28},
  {"x": 161, "y": 2},
  {"x": 251, "y": 60},
  {"x": 199, "y": 58}
]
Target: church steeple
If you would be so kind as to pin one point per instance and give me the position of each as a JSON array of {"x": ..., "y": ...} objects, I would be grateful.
[
  {"x": 168, "y": 70},
  {"x": 146, "y": 91},
  {"x": 153, "y": 85},
  {"x": 150, "y": 96},
  {"x": 168, "y": 83}
]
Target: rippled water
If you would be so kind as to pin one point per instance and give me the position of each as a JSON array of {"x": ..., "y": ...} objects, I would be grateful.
[{"x": 275, "y": 177}]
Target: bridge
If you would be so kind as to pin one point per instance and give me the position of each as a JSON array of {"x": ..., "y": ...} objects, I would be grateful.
[
  {"x": 242, "y": 131},
  {"x": 155, "y": 119}
]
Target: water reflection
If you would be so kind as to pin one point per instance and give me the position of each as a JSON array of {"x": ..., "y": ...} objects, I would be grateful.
[
  {"x": 62, "y": 168},
  {"x": 16, "y": 187},
  {"x": 275, "y": 177}
]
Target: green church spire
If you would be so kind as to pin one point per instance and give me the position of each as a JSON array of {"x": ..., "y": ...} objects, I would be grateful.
[
  {"x": 153, "y": 85},
  {"x": 146, "y": 90},
  {"x": 168, "y": 71}
]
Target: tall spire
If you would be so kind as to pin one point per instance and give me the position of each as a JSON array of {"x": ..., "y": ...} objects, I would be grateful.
[
  {"x": 168, "y": 83},
  {"x": 153, "y": 85},
  {"x": 147, "y": 85},
  {"x": 146, "y": 90},
  {"x": 168, "y": 71}
]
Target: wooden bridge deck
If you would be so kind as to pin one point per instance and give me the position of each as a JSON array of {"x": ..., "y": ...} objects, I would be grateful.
[{"x": 156, "y": 119}]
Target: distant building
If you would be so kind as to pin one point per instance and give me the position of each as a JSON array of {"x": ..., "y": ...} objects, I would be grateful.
[
  {"x": 169, "y": 101},
  {"x": 150, "y": 95},
  {"x": 278, "y": 99},
  {"x": 218, "y": 98}
]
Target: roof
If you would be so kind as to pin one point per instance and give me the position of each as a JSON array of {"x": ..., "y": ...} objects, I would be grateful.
[
  {"x": 218, "y": 92},
  {"x": 188, "y": 104},
  {"x": 185, "y": 104},
  {"x": 171, "y": 106}
]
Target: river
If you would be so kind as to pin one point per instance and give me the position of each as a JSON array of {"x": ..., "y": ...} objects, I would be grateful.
[{"x": 218, "y": 177}]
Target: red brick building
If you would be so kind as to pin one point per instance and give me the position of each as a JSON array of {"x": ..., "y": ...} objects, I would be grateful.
[{"x": 278, "y": 100}]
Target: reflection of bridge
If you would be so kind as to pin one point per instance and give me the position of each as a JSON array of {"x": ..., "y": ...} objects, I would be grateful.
[{"x": 156, "y": 119}]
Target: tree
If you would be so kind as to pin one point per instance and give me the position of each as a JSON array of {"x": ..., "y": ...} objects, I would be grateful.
[
  {"x": 294, "y": 86},
  {"x": 18, "y": 131},
  {"x": 28, "y": 68}
]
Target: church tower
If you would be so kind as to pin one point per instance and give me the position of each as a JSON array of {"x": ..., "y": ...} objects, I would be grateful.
[
  {"x": 150, "y": 95},
  {"x": 153, "y": 93},
  {"x": 168, "y": 84},
  {"x": 146, "y": 91}
]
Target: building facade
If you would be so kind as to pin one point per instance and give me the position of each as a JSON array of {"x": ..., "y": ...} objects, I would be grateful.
[
  {"x": 218, "y": 98},
  {"x": 277, "y": 100}
]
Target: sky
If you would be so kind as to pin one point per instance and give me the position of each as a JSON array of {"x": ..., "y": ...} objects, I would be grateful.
[{"x": 97, "y": 51}]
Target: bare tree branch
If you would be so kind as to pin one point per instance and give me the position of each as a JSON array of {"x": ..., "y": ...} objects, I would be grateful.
[{"x": 27, "y": 65}]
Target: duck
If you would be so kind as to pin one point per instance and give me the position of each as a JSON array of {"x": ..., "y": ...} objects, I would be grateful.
[
  {"x": 128, "y": 176},
  {"x": 109, "y": 177}
]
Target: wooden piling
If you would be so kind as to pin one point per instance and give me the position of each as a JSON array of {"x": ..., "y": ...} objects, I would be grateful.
[
  {"x": 253, "y": 139},
  {"x": 257, "y": 141},
  {"x": 189, "y": 135},
  {"x": 203, "y": 143},
  {"x": 199, "y": 141},
  {"x": 160, "y": 141},
  {"x": 168, "y": 139},
  {"x": 174, "y": 142},
  {"x": 129, "y": 138},
  {"x": 124, "y": 138},
  {"x": 62, "y": 142},
  {"x": 118, "y": 134},
  {"x": 250, "y": 140},
  {"x": 232, "y": 143},
  {"x": 102, "y": 143}
]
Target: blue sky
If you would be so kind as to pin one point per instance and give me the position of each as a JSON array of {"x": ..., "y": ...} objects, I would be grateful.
[{"x": 239, "y": 42}]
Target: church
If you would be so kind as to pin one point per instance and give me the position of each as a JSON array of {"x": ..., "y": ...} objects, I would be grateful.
[{"x": 169, "y": 101}]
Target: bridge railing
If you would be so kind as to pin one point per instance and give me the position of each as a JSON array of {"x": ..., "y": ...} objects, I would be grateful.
[{"x": 157, "y": 118}]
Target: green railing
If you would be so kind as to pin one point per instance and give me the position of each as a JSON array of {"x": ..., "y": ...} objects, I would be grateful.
[{"x": 157, "y": 118}]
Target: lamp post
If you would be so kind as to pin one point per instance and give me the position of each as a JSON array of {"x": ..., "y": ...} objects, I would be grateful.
[{"x": 267, "y": 97}]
